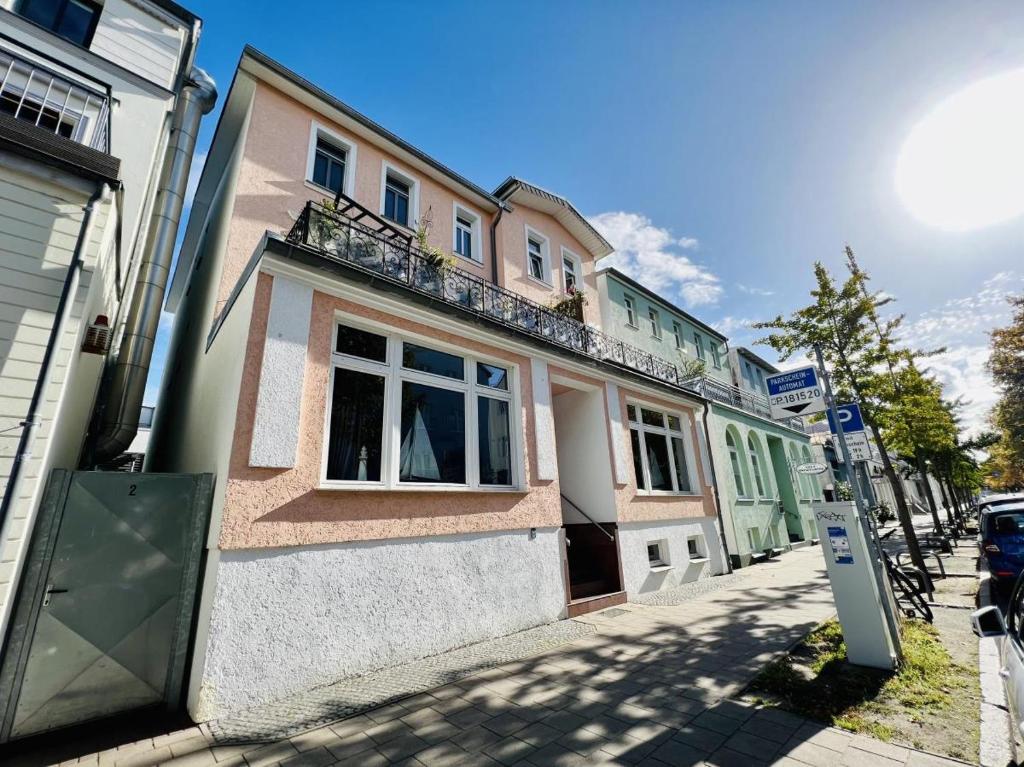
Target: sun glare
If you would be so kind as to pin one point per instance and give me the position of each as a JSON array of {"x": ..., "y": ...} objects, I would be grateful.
[{"x": 962, "y": 166}]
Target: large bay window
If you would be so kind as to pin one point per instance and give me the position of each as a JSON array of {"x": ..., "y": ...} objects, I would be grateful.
[
  {"x": 406, "y": 414},
  {"x": 662, "y": 454}
]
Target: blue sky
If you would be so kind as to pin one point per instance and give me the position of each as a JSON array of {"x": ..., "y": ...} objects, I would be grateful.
[{"x": 722, "y": 146}]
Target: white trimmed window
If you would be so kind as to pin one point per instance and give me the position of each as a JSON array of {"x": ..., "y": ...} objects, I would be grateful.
[
  {"x": 399, "y": 196},
  {"x": 755, "y": 465},
  {"x": 657, "y": 554},
  {"x": 736, "y": 463},
  {"x": 696, "y": 547},
  {"x": 698, "y": 341},
  {"x": 331, "y": 161},
  {"x": 572, "y": 271},
  {"x": 655, "y": 322},
  {"x": 662, "y": 453},
  {"x": 466, "y": 228},
  {"x": 630, "y": 306},
  {"x": 677, "y": 334},
  {"x": 538, "y": 256},
  {"x": 404, "y": 413},
  {"x": 716, "y": 355}
]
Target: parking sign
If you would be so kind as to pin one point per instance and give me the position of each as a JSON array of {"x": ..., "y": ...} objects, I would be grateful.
[{"x": 796, "y": 392}]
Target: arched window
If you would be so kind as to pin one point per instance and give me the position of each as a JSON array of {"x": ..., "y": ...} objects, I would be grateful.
[
  {"x": 735, "y": 462},
  {"x": 755, "y": 464},
  {"x": 801, "y": 479}
]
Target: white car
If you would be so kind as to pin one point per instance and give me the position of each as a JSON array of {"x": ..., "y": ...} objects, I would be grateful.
[{"x": 1009, "y": 633}]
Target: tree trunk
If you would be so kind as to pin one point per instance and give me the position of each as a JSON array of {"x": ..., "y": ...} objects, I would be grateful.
[
  {"x": 945, "y": 499},
  {"x": 954, "y": 499},
  {"x": 902, "y": 510},
  {"x": 922, "y": 469}
]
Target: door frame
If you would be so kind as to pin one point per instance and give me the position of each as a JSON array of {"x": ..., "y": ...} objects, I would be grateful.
[{"x": 17, "y": 644}]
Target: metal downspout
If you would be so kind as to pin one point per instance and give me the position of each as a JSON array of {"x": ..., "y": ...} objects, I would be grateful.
[
  {"x": 31, "y": 423},
  {"x": 494, "y": 242},
  {"x": 714, "y": 481},
  {"x": 123, "y": 400}
]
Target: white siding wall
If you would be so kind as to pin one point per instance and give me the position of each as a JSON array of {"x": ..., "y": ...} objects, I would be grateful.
[
  {"x": 39, "y": 224},
  {"x": 141, "y": 38}
]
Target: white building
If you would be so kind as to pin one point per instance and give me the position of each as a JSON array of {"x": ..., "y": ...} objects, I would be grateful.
[{"x": 91, "y": 173}]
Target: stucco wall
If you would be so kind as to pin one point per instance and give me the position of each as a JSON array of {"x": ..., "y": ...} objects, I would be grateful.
[
  {"x": 272, "y": 185},
  {"x": 283, "y": 507},
  {"x": 287, "y": 620},
  {"x": 512, "y": 266},
  {"x": 636, "y": 567},
  {"x": 615, "y": 323}
]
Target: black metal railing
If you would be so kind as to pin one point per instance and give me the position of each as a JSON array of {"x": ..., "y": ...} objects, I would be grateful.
[
  {"x": 348, "y": 233},
  {"x": 751, "y": 402}
]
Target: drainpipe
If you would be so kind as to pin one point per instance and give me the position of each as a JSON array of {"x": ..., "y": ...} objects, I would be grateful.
[
  {"x": 714, "y": 481},
  {"x": 494, "y": 243},
  {"x": 123, "y": 400},
  {"x": 16, "y": 480}
]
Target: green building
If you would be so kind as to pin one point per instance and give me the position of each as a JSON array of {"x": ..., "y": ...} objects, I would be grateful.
[{"x": 765, "y": 504}]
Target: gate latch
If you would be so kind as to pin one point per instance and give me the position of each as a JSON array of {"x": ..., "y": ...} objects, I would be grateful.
[{"x": 51, "y": 590}]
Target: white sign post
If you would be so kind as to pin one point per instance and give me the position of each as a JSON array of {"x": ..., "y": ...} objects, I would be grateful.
[{"x": 795, "y": 392}]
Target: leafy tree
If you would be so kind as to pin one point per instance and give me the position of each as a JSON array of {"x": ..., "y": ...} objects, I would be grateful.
[
  {"x": 857, "y": 347},
  {"x": 1006, "y": 363}
]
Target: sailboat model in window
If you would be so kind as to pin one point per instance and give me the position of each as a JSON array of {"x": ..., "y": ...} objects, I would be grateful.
[{"x": 417, "y": 454}]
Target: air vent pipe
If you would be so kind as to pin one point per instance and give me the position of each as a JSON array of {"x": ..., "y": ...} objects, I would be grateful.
[{"x": 123, "y": 401}]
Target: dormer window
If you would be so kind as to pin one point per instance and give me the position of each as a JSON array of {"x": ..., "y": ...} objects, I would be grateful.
[{"x": 74, "y": 20}]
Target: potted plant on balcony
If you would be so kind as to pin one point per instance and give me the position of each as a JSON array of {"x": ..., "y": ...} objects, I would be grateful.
[
  {"x": 434, "y": 264},
  {"x": 326, "y": 231},
  {"x": 571, "y": 304},
  {"x": 690, "y": 369}
]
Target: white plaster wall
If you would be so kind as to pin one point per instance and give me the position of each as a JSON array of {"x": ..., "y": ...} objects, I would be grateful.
[
  {"x": 544, "y": 436},
  {"x": 618, "y": 433},
  {"x": 584, "y": 466},
  {"x": 636, "y": 569},
  {"x": 285, "y": 620},
  {"x": 275, "y": 432}
]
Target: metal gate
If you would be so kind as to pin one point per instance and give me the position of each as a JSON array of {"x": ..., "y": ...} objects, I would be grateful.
[{"x": 104, "y": 611}]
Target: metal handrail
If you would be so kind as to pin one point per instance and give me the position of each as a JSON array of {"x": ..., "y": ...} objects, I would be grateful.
[
  {"x": 589, "y": 518},
  {"x": 358, "y": 238},
  {"x": 36, "y": 94}
]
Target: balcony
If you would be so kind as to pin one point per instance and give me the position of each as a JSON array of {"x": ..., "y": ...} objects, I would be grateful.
[
  {"x": 35, "y": 94},
  {"x": 756, "y": 404},
  {"x": 352, "y": 235}
]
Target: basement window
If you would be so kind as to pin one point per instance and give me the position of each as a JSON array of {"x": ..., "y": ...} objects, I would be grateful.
[{"x": 657, "y": 554}]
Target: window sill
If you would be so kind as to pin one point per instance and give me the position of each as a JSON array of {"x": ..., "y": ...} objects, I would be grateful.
[
  {"x": 322, "y": 189},
  {"x": 656, "y": 338},
  {"x": 549, "y": 285},
  {"x": 697, "y": 560},
  {"x": 661, "y": 568},
  {"x": 667, "y": 494},
  {"x": 468, "y": 260},
  {"x": 354, "y": 487},
  {"x": 632, "y": 327},
  {"x": 745, "y": 499}
]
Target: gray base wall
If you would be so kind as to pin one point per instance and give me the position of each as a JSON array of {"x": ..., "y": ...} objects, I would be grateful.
[
  {"x": 286, "y": 620},
  {"x": 636, "y": 568}
]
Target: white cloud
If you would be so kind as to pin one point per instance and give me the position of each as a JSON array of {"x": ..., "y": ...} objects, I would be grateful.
[
  {"x": 729, "y": 324},
  {"x": 650, "y": 254},
  {"x": 754, "y": 291},
  {"x": 962, "y": 325}
]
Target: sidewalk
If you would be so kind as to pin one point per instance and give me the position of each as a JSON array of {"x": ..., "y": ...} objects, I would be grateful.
[{"x": 645, "y": 684}]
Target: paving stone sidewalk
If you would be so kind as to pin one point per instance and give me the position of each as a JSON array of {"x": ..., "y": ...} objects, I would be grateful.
[{"x": 642, "y": 685}]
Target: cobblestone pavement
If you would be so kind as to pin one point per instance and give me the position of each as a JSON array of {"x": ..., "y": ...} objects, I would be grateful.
[{"x": 645, "y": 685}]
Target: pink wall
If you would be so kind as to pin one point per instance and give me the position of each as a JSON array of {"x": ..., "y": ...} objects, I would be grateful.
[
  {"x": 512, "y": 255},
  {"x": 272, "y": 507},
  {"x": 272, "y": 186},
  {"x": 634, "y": 507}
]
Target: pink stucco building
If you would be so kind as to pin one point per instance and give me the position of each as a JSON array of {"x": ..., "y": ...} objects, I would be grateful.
[{"x": 413, "y": 451}]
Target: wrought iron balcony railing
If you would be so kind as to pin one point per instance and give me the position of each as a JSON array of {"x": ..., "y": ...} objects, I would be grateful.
[
  {"x": 348, "y": 233},
  {"x": 744, "y": 400},
  {"x": 31, "y": 92}
]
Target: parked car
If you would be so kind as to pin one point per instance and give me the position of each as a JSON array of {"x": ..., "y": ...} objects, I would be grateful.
[
  {"x": 1001, "y": 536},
  {"x": 994, "y": 501},
  {"x": 1009, "y": 633}
]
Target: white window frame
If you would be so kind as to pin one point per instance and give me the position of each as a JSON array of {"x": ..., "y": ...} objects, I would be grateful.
[
  {"x": 698, "y": 344},
  {"x": 577, "y": 268},
  {"x": 702, "y": 548},
  {"x": 476, "y": 232},
  {"x": 545, "y": 253},
  {"x": 685, "y": 433},
  {"x": 629, "y": 304},
  {"x": 741, "y": 480},
  {"x": 716, "y": 354},
  {"x": 654, "y": 317},
  {"x": 388, "y": 169},
  {"x": 677, "y": 333},
  {"x": 758, "y": 478},
  {"x": 664, "y": 561},
  {"x": 320, "y": 131},
  {"x": 394, "y": 374}
]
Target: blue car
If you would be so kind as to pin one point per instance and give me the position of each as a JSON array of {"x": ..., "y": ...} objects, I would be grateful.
[{"x": 1001, "y": 531}]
